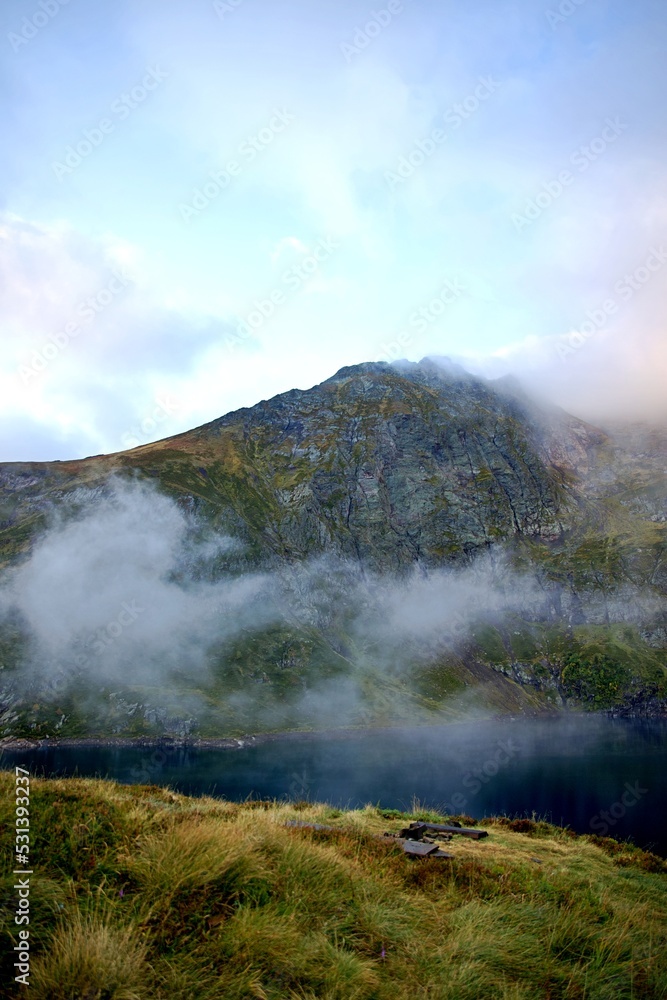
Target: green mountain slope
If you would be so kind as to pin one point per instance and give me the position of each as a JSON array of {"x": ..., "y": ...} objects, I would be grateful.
[{"x": 390, "y": 470}]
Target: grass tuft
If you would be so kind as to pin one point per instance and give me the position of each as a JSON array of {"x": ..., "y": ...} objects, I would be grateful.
[{"x": 90, "y": 959}]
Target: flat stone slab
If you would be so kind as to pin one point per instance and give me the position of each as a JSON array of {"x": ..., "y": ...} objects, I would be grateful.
[
  {"x": 417, "y": 830},
  {"x": 309, "y": 826},
  {"x": 418, "y": 849}
]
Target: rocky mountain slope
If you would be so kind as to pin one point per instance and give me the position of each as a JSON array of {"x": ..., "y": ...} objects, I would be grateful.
[
  {"x": 391, "y": 471},
  {"x": 386, "y": 465}
]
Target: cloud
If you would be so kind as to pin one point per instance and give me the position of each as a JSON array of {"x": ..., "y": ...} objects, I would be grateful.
[
  {"x": 284, "y": 246},
  {"x": 103, "y": 387},
  {"x": 126, "y": 588},
  {"x": 110, "y": 591},
  {"x": 87, "y": 349},
  {"x": 616, "y": 374},
  {"x": 324, "y": 175}
]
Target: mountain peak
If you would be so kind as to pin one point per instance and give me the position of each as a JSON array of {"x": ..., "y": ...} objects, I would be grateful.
[{"x": 363, "y": 368}]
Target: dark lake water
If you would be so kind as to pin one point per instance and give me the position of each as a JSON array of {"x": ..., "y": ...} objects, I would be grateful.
[{"x": 606, "y": 776}]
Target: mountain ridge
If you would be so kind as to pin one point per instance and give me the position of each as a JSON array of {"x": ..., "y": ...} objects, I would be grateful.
[{"x": 373, "y": 408}]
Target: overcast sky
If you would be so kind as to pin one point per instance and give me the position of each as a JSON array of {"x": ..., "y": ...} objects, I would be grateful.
[{"x": 204, "y": 204}]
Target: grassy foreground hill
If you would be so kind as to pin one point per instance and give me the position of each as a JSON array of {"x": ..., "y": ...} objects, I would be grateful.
[{"x": 139, "y": 894}]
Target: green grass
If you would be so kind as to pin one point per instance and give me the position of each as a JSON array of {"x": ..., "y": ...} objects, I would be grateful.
[
  {"x": 595, "y": 667},
  {"x": 139, "y": 894}
]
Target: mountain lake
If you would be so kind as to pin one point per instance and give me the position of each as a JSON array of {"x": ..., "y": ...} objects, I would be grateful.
[{"x": 596, "y": 774}]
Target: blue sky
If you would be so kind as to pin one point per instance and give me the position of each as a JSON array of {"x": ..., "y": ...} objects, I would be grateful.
[{"x": 221, "y": 201}]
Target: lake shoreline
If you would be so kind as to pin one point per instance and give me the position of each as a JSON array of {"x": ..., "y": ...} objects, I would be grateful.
[{"x": 258, "y": 739}]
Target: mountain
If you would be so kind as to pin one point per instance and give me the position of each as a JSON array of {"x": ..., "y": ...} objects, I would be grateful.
[
  {"x": 383, "y": 464},
  {"x": 389, "y": 473}
]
